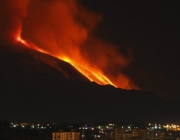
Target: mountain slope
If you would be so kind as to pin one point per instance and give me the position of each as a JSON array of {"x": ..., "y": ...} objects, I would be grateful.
[
  {"x": 18, "y": 61},
  {"x": 35, "y": 87}
]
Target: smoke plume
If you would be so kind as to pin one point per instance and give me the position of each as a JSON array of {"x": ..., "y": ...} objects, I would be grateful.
[
  {"x": 12, "y": 13},
  {"x": 65, "y": 28}
]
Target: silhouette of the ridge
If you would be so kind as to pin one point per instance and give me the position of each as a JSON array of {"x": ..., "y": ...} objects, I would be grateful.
[{"x": 35, "y": 86}]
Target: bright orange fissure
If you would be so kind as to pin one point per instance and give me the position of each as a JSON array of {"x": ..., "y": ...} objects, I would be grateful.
[{"x": 92, "y": 74}]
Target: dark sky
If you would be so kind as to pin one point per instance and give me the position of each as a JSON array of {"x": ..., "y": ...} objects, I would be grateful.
[{"x": 151, "y": 29}]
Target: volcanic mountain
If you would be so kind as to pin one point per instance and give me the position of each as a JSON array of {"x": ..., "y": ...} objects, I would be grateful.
[{"x": 35, "y": 86}]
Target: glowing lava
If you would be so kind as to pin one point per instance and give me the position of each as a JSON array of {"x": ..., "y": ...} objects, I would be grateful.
[{"x": 91, "y": 74}]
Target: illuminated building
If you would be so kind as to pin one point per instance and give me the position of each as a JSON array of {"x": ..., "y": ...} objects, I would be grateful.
[
  {"x": 66, "y": 135},
  {"x": 157, "y": 135},
  {"x": 121, "y": 133},
  {"x": 142, "y": 133},
  {"x": 173, "y": 127}
]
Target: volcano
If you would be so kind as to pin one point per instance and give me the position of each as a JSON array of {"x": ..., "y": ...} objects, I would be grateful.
[{"x": 36, "y": 86}]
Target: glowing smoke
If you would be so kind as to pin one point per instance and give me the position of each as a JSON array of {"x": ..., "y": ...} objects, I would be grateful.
[
  {"x": 12, "y": 13},
  {"x": 65, "y": 29}
]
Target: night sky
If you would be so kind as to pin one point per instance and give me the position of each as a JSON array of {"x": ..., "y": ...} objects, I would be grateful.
[{"x": 151, "y": 30}]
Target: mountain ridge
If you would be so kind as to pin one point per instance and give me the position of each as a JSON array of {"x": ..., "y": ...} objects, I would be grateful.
[{"x": 36, "y": 86}]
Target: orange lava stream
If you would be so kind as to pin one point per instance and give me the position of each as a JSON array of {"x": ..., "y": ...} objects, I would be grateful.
[{"x": 92, "y": 74}]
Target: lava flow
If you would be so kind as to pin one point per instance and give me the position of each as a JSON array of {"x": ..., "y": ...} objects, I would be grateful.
[{"x": 92, "y": 75}]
